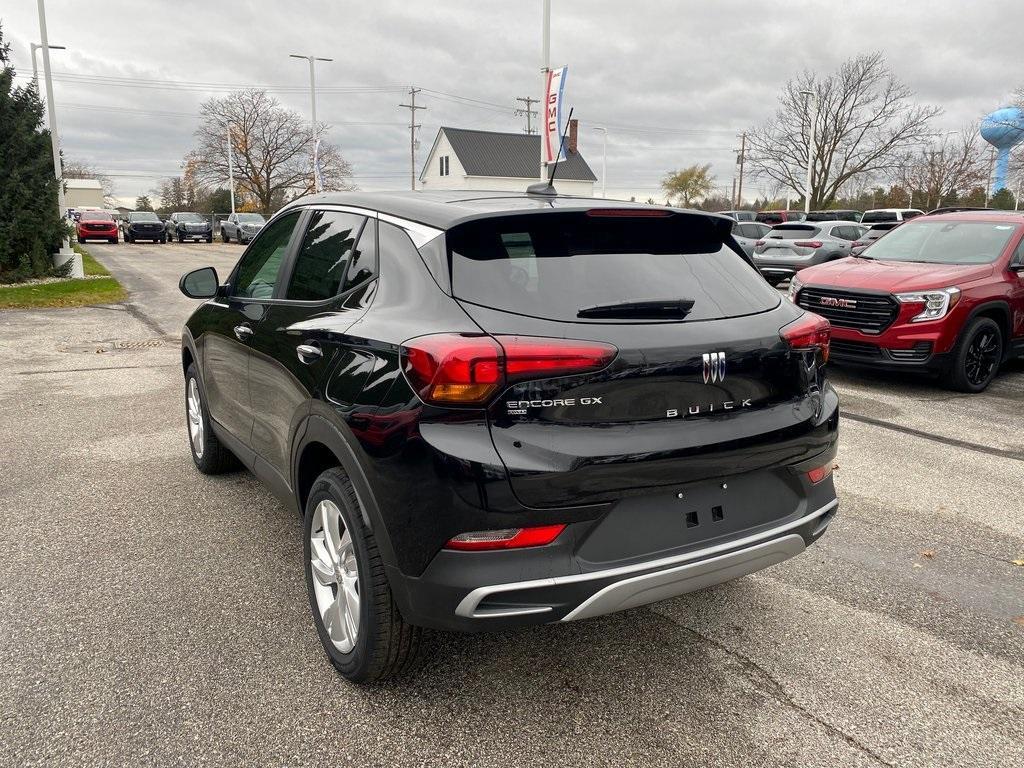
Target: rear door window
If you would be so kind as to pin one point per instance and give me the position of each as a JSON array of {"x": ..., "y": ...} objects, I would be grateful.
[
  {"x": 323, "y": 256},
  {"x": 553, "y": 265}
]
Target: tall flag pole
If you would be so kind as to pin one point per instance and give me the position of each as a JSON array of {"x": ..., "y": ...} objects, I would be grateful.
[{"x": 545, "y": 63}]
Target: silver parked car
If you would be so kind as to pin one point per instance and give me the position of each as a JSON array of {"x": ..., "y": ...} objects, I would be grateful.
[
  {"x": 874, "y": 232},
  {"x": 788, "y": 248},
  {"x": 241, "y": 227},
  {"x": 747, "y": 233}
]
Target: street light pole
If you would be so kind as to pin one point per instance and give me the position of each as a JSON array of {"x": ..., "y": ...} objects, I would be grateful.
[
  {"x": 312, "y": 96},
  {"x": 810, "y": 146},
  {"x": 65, "y": 254},
  {"x": 231, "y": 171},
  {"x": 545, "y": 65},
  {"x": 35, "y": 69},
  {"x": 604, "y": 159}
]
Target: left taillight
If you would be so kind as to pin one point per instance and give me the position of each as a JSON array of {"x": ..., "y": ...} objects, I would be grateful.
[
  {"x": 808, "y": 243},
  {"x": 464, "y": 369},
  {"x": 809, "y": 331},
  {"x": 505, "y": 538}
]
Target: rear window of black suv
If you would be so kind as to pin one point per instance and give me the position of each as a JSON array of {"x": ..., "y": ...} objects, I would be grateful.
[{"x": 552, "y": 265}]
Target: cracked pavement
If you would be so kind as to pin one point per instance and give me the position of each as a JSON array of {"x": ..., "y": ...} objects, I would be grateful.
[{"x": 151, "y": 615}]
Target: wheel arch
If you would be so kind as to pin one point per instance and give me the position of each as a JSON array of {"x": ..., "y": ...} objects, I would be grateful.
[
  {"x": 320, "y": 444},
  {"x": 999, "y": 311}
]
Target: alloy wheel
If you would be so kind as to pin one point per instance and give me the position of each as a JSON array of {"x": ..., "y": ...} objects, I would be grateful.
[
  {"x": 982, "y": 358},
  {"x": 195, "y": 418},
  {"x": 332, "y": 560}
]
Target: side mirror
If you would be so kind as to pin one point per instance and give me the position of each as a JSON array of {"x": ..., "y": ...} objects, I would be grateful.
[
  {"x": 1018, "y": 267},
  {"x": 200, "y": 283}
]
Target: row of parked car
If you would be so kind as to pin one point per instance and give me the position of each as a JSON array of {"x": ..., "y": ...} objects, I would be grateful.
[
  {"x": 873, "y": 216},
  {"x": 182, "y": 226},
  {"x": 941, "y": 292}
]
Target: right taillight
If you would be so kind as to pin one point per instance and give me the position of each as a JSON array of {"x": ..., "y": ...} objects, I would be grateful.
[
  {"x": 464, "y": 369},
  {"x": 857, "y": 244},
  {"x": 809, "y": 331}
]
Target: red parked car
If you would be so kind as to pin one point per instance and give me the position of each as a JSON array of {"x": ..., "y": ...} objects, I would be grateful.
[
  {"x": 96, "y": 225},
  {"x": 939, "y": 293}
]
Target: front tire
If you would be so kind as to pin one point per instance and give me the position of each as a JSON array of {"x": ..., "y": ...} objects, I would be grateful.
[
  {"x": 211, "y": 457},
  {"x": 359, "y": 625},
  {"x": 224, "y": 237},
  {"x": 976, "y": 357}
]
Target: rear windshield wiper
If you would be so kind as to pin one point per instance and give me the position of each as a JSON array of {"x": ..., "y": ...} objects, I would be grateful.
[{"x": 638, "y": 310}]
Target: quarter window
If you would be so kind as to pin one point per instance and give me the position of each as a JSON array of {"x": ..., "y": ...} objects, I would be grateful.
[
  {"x": 324, "y": 255},
  {"x": 260, "y": 266}
]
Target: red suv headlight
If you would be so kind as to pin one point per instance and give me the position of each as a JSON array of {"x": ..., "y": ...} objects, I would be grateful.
[{"x": 936, "y": 304}]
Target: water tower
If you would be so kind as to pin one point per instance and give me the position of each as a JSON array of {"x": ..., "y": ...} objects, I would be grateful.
[{"x": 1003, "y": 129}]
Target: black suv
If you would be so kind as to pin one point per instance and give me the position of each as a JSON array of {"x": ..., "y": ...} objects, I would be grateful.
[
  {"x": 182, "y": 226},
  {"x": 143, "y": 225},
  {"x": 496, "y": 410}
]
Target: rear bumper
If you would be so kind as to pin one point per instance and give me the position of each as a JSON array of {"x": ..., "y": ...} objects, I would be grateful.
[{"x": 487, "y": 591}]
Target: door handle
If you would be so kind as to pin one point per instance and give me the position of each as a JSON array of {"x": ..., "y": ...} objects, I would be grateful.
[
  {"x": 243, "y": 332},
  {"x": 309, "y": 353}
]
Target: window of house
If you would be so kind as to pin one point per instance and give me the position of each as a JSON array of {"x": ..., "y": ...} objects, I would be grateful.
[{"x": 443, "y": 165}]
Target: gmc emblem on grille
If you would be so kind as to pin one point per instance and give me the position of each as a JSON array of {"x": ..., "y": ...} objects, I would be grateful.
[
  {"x": 832, "y": 301},
  {"x": 714, "y": 367}
]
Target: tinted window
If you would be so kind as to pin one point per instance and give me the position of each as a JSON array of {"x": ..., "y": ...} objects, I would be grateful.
[
  {"x": 753, "y": 231},
  {"x": 250, "y": 217},
  {"x": 910, "y": 214},
  {"x": 872, "y": 216},
  {"x": 323, "y": 255},
  {"x": 552, "y": 265},
  {"x": 190, "y": 218},
  {"x": 143, "y": 216},
  {"x": 257, "y": 272},
  {"x": 945, "y": 242},
  {"x": 793, "y": 231},
  {"x": 363, "y": 264},
  {"x": 96, "y": 216},
  {"x": 770, "y": 218}
]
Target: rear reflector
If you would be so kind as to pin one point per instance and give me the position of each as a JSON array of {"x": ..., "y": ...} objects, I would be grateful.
[
  {"x": 629, "y": 213},
  {"x": 505, "y": 538},
  {"x": 462, "y": 369},
  {"x": 809, "y": 331},
  {"x": 819, "y": 474},
  {"x": 808, "y": 243}
]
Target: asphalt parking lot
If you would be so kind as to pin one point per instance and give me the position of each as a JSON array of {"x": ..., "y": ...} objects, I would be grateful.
[{"x": 154, "y": 615}]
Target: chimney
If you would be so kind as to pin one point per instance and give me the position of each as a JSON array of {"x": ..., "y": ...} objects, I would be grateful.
[{"x": 570, "y": 141}]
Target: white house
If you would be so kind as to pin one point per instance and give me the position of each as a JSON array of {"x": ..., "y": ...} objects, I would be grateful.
[
  {"x": 488, "y": 160},
  {"x": 83, "y": 193}
]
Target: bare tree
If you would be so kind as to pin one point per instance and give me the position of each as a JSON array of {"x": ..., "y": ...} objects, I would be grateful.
[
  {"x": 864, "y": 124},
  {"x": 76, "y": 169},
  {"x": 272, "y": 149},
  {"x": 950, "y": 166}
]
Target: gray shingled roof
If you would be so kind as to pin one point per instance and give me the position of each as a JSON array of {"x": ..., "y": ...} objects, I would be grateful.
[{"x": 512, "y": 155}]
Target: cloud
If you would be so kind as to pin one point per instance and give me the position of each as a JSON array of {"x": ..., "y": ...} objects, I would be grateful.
[{"x": 673, "y": 81}]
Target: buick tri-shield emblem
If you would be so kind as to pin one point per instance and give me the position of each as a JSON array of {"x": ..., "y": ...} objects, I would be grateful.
[{"x": 714, "y": 367}]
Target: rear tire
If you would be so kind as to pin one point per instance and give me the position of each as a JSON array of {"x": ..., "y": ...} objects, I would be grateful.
[
  {"x": 208, "y": 453},
  {"x": 976, "y": 357},
  {"x": 368, "y": 639}
]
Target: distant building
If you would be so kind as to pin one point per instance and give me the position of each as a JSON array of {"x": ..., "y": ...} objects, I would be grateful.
[
  {"x": 84, "y": 193},
  {"x": 487, "y": 160}
]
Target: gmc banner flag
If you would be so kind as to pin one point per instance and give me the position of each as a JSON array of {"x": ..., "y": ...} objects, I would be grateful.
[{"x": 553, "y": 152}]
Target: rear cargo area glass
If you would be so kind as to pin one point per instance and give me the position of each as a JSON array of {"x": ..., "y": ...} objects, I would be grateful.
[{"x": 552, "y": 265}]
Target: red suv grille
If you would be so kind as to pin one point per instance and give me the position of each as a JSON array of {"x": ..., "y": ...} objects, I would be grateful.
[{"x": 866, "y": 312}]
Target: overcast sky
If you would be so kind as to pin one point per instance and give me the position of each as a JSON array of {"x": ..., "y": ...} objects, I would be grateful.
[{"x": 674, "y": 82}]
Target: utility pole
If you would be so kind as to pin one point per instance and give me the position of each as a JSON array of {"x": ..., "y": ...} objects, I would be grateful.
[
  {"x": 412, "y": 106},
  {"x": 545, "y": 66},
  {"x": 312, "y": 95},
  {"x": 604, "y": 159},
  {"x": 527, "y": 111},
  {"x": 988, "y": 182},
  {"x": 65, "y": 254},
  {"x": 743, "y": 152}
]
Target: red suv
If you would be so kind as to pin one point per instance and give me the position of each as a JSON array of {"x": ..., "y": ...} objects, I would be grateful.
[
  {"x": 96, "y": 225},
  {"x": 942, "y": 293}
]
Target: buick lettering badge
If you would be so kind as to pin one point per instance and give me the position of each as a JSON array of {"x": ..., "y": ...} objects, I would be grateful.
[{"x": 714, "y": 367}]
